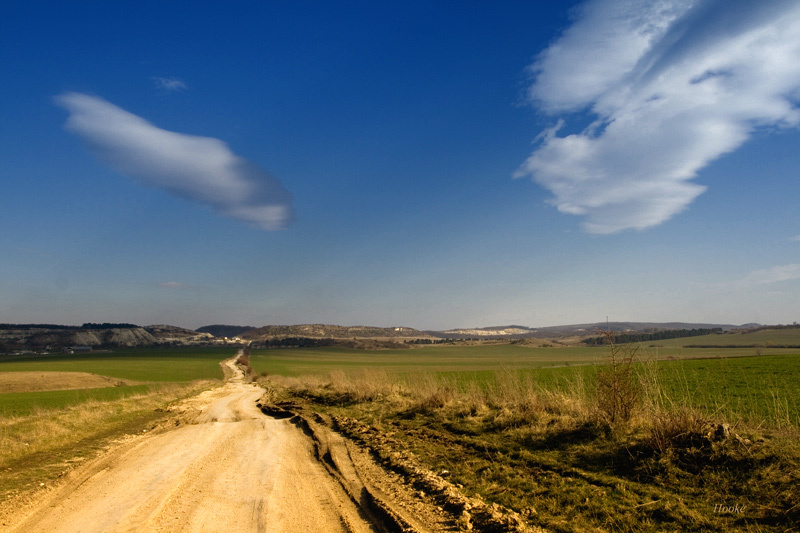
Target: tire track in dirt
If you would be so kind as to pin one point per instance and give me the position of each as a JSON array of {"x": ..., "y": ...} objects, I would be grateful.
[{"x": 232, "y": 469}]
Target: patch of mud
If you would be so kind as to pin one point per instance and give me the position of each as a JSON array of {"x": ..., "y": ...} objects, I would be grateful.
[{"x": 280, "y": 410}]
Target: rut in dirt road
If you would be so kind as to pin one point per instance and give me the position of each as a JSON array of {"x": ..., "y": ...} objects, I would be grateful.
[{"x": 232, "y": 470}]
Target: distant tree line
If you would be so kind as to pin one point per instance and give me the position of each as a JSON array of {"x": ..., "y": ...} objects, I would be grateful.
[
  {"x": 295, "y": 342},
  {"x": 316, "y": 342},
  {"x": 221, "y": 330},
  {"x": 108, "y": 325},
  {"x": 428, "y": 341},
  {"x": 88, "y": 325},
  {"x": 625, "y": 338},
  {"x": 6, "y": 327},
  {"x": 794, "y": 325}
]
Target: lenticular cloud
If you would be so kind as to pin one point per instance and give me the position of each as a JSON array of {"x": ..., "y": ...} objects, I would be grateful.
[
  {"x": 199, "y": 168},
  {"x": 673, "y": 85}
]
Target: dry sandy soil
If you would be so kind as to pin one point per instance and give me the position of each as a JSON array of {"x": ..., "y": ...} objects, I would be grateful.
[{"x": 229, "y": 469}]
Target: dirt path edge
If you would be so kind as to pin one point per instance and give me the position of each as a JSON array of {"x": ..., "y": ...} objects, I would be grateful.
[
  {"x": 331, "y": 450},
  {"x": 333, "y": 437}
]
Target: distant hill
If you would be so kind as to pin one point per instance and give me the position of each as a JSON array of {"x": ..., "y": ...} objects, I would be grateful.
[
  {"x": 573, "y": 330},
  {"x": 39, "y": 337},
  {"x": 331, "y": 331},
  {"x": 53, "y": 337}
]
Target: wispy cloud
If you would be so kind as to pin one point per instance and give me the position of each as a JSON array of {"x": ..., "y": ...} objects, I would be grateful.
[
  {"x": 770, "y": 275},
  {"x": 172, "y": 285},
  {"x": 199, "y": 168},
  {"x": 170, "y": 84},
  {"x": 673, "y": 85}
]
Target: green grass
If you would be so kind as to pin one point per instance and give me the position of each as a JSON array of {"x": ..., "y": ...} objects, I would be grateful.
[
  {"x": 443, "y": 358},
  {"x": 460, "y": 358},
  {"x": 758, "y": 390},
  {"x": 764, "y": 338},
  {"x": 302, "y": 361},
  {"x": 23, "y": 403},
  {"x": 159, "y": 365},
  {"x": 761, "y": 391},
  {"x": 163, "y": 364}
]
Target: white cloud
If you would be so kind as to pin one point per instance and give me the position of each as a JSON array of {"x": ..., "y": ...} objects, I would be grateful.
[
  {"x": 673, "y": 85},
  {"x": 170, "y": 84},
  {"x": 771, "y": 275},
  {"x": 199, "y": 168}
]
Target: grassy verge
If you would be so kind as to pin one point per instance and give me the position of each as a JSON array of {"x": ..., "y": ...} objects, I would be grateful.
[
  {"x": 17, "y": 404},
  {"x": 550, "y": 451},
  {"x": 37, "y": 448}
]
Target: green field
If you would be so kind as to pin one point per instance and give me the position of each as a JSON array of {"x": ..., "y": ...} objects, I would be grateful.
[
  {"x": 763, "y": 338},
  {"x": 461, "y": 357},
  {"x": 732, "y": 383},
  {"x": 728, "y": 381},
  {"x": 153, "y": 366},
  {"x": 761, "y": 390},
  {"x": 24, "y": 403},
  {"x": 302, "y": 361},
  {"x": 143, "y": 364}
]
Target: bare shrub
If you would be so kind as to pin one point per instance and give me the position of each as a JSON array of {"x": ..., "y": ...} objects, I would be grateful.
[{"x": 618, "y": 390}]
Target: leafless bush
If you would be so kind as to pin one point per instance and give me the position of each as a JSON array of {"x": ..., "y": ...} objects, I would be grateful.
[{"x": 618, "y": 390}]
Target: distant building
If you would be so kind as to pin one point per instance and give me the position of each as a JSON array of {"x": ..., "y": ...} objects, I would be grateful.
[{"x": 74, "y": 349}]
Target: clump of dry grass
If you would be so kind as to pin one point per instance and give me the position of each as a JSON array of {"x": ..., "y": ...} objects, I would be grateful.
[
  {"x": 513, "y": 400},
  {"x": 472, "y": 402},
  {"x": 427, "y": 393},
  {"x": 675, "y": 428},
  {"x": 337, "y": 388}
]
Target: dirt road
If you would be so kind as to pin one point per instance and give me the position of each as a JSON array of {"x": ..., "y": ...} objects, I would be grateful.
[{"x": 233, "y": 469}]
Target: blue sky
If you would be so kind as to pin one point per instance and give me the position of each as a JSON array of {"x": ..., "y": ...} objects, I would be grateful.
[{"x": 431, "y": 164}]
